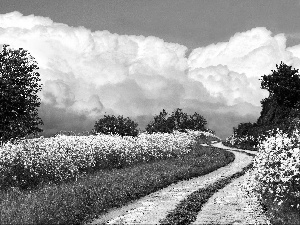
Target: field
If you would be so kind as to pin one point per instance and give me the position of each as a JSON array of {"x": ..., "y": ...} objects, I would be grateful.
[
  {"x": 75, "y": 179},
  {"x": 31, "y": 162}
]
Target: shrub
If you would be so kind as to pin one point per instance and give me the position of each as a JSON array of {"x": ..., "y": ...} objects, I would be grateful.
[
  {"x": 116, "y": 125},
  {"x": 276, "y": 170}
]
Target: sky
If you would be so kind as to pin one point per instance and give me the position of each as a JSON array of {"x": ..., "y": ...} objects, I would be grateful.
[{"x": 135, "y": 57}]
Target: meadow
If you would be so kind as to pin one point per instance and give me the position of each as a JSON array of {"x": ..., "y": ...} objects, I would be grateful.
[{"x": 73, "y": 179}]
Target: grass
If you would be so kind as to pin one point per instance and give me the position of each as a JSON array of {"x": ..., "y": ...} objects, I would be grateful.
[
  {"x": 282, "y": 214},
  {"x": 187, "y": 210},
  {"x": 94, "y": 194}
]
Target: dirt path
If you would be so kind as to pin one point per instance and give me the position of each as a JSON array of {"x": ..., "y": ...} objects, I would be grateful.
[
  {"x": 232, "y": 205},
  {"x": 154, "y": 207}
]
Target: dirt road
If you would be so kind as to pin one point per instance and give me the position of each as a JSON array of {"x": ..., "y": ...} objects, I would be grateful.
[{"x": 154, "y": 207}]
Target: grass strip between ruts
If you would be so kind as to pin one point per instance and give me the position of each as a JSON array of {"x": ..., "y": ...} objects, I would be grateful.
[{"x": 187, "y": 210}]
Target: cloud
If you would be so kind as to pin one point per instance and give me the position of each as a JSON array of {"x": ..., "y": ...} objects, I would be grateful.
[
  {"x": 16, "y": 19},
  {"x": 87, "y": 74},
  {"x": 249, "y": 52}
]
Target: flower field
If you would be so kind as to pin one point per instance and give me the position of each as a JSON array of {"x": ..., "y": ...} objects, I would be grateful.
[
  {"x": 61, "y": 158},
  {"x": 276, "y": 169}
]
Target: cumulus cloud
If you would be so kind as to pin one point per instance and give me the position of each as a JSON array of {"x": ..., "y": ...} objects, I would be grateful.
[
  {"x": 249, "y": 52},
  {"x": 87, "y": 74}
]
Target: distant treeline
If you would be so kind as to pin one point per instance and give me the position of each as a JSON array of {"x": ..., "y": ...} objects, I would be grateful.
[{"x": 163, "y": 122}]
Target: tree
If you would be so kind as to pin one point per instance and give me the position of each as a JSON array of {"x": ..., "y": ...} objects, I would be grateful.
[
  {"x": 279, "y": 110},
  {"x": 161, "y": 123},
  {"x": 178, "y": 120},
  {"x": 116, "y": 125},
  {"x": 198, "y": 122},
  {"x": 19, "y": 85},
  {"x": 283, "y": 85},
  {"x": 183, "y": 121},
  {"x": 244, "y": 129}
]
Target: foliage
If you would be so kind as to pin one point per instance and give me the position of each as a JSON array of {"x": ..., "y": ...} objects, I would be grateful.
[
  {"x": 116, "y": 125},
  {"x": 162, "y": 123},
  {"x": 274, "y": 114},
  {"x": 275, "y": 178},
  {"x": 18, "y": 94},
  {"x": 178, "y": 120},
  {"x": 283, "y": 85},
  {"x": 279, "y": 110},
  {"x": 244, "y": 129},
  {"x": 80, "y": 201},
  {"x": 277, "y": 167},
  {"x": 32, "y": 161}
]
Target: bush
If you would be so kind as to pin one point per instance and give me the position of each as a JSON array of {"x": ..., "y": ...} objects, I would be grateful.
[
  {"x": 178, "y": 120},
  {"x": 116, "y": 125},
  {"x": 248, "y": 136},
  {"x": 276, "y": 170}
]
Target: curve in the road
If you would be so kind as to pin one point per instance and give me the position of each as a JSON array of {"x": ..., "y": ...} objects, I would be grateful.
[
  {"x": 232, "y": 205},
  {"x": 154, "y": 207}
]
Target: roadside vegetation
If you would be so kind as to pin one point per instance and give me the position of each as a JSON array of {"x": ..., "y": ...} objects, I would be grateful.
[
  {"x": 276, "y": 137},
  {"x": 276, "y": 176},
  {"x": 92, "y": 194},
  {"x": 30, "y": 162}
]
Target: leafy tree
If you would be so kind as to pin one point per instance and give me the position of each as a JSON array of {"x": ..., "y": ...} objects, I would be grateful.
[
  {"x": 283, "y": 103},
  {"x": 116, "y": 125},
  {"x": 198, "y": 122},
  {"x": 279, "y": 110},
  {"x": 18, "y": 94},
  {"x": 283, "y": 85},
  {"x": 184, "y": 121},
  {"x": 178, "y": 120},
  {"x": 244, "y": 129},
  {"x": 161, "y": 123}
]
